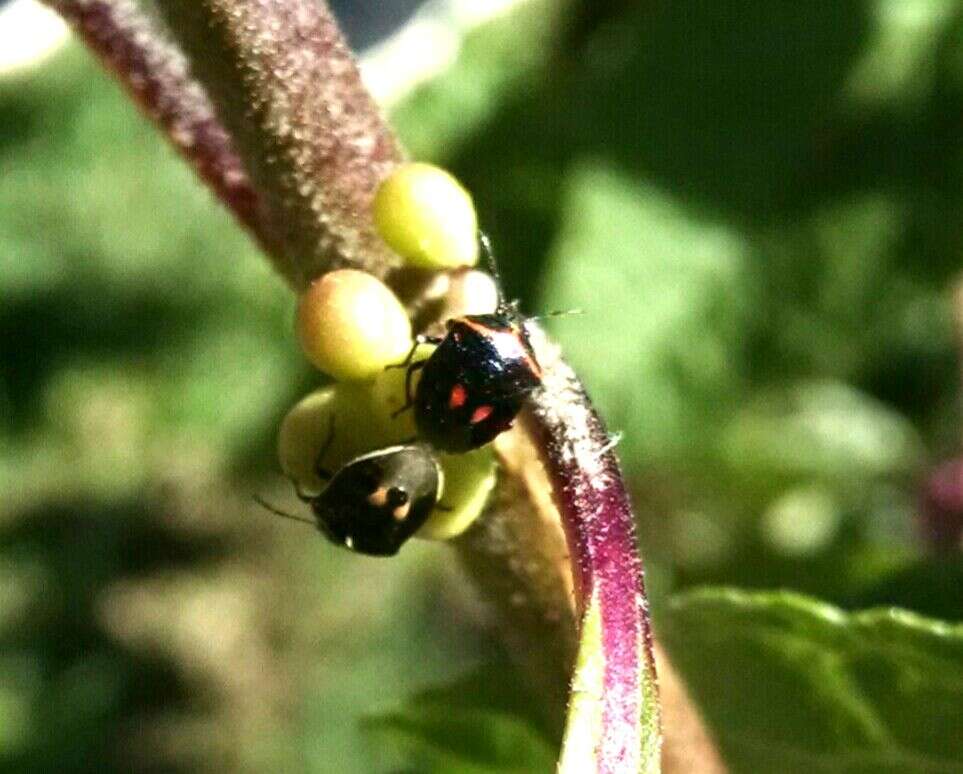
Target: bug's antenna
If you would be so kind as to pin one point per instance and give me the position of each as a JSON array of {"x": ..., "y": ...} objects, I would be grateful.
[
  {"x": 486, "y": 248},
  {"x": 278, "y": 512},
  {"x": 559, "y": 313}
]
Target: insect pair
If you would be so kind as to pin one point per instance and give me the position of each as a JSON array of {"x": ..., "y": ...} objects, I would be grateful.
[{"x": 472, "y": 387}]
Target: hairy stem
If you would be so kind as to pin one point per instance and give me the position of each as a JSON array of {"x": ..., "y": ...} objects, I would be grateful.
[
  {"x": 597, "y": 517},
  {"x": 287, "y": 87}
]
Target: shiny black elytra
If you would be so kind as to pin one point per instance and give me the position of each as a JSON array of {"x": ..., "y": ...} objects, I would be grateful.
[
  {"x": 475, "y": 382},
  {"x": 375, "y": 502}
]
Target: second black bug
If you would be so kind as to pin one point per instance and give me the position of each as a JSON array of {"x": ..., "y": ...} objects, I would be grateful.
[{"x": 376, "y": 501}]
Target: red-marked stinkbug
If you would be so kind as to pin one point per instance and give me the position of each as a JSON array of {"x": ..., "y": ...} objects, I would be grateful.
[{"x": 475, "y": 382}]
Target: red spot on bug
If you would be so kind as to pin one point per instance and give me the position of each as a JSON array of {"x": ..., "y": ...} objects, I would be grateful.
[
  {"x": 458, "y": 397},
  {"x": 481, "y": 413}
]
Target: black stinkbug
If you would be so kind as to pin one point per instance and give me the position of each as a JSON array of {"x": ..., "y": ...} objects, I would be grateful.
[
  {"x": 475, "y": 382},
  {"x": 375, "y": 502}
]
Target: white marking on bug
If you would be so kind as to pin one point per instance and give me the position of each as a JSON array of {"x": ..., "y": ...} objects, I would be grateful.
[{"x": 401, "y": 512}]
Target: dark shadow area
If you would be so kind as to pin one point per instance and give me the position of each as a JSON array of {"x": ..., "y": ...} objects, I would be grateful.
[
  {"x": 89, "y": 689},
  {"x": 932, "y": 588},
  {"x": 726, "y": 109},
  {"x": 722, "y": 105},
  {"x": 41, "y": 334}
]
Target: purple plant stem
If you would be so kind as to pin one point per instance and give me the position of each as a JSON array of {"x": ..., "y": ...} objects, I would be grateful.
[
  {"x": 157, "y": 77},
  {"x": 288, "y": 89},
  {"x": 597, "y": 517},
  {"x": 957, "y": 302},
  {"x": 941, "y": 508},
  {"x": 941, "y": 498}
]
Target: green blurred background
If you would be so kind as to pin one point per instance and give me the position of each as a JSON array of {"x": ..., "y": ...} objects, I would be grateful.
[{"x": 756, "y": 204}]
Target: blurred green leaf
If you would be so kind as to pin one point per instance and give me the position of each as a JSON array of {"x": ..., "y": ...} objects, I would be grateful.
[
  {"x": 932, "y": 587},
  {"x": 481, "y": 723},
  {"x": 496, "y": 63},
  {"x": 822, "y": 430},
  {"x": 902, "y": 49},
  {"x": 659, "y": 284},
  {"x": 791, "y": 684},
  {"x": 136, "y": 315}
]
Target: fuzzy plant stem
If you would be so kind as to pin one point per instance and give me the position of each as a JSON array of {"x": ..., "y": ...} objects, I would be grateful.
[
  {"x": 156, "y": 75},
  {"x": 287, "y": 88},
  {"x": 596, "y": 514}
]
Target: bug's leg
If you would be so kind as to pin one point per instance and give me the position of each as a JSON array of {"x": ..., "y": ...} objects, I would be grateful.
[
  {"x": 420, "y": 339},
  {"x": 278, "y": 512},
  {"x": 409, "y": 398},
  {"x": 320, "y": 471},
  {"x": 301, "y": 494},
  {"x": 408, "y": 358}
]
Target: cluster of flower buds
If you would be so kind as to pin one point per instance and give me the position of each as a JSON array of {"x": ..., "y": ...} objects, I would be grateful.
[{"x": 351, "y": 448}]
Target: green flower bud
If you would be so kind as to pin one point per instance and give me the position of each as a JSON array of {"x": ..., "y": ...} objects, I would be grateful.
[
  {"x": 351, "y": 325},
  {"x": 469, "y": 480},
  {"x": 303, "y": 432},
  {"x": 427, "y": 217},
  {"x": 471, "y": 292},
  {"x": 343, "y": 421}
]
